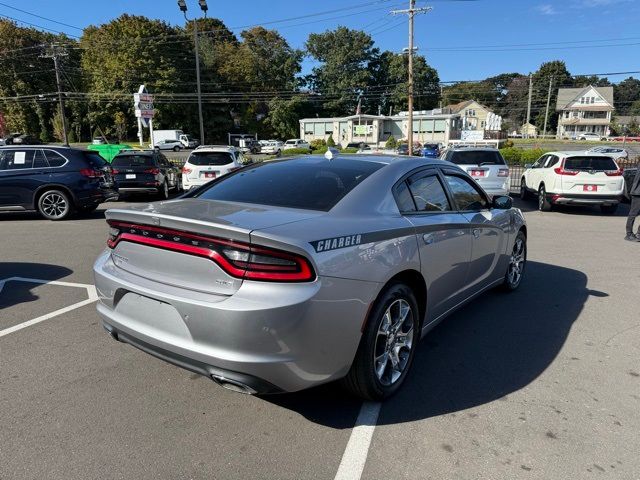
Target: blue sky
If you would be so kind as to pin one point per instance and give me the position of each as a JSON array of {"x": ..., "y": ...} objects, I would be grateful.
[{"x": 464, "y": 40}]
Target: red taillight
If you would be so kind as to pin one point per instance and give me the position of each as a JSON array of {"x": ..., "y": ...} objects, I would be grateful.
[
  {"x": 503, "y": 172},
  {"x": 614, "y": 173},
  {"x": 186, "y": 171},
  {"x": 115, "y": 172},
  {"x": 238, "y": 259},
  {"x": 152, "y": 171},
  {"x": 561, "y": 171},
  {"x": 90, "y": 173}
]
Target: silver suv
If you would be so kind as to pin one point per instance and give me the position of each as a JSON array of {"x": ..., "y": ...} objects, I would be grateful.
[{"x": 485, "y": 165}]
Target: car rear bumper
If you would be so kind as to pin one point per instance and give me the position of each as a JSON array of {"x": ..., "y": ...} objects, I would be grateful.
[
  {"x": 138, "y": 190},
  {"x": 268, "y": 336},
  {"x": 576, "y": 199},
  {"x": 95, "y": 197}
]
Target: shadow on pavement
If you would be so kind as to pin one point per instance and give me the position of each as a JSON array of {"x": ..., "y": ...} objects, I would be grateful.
[
  {"x": 496, "y": 345},
  {"x": 531, "y": 205},
  {"x": 15, "y": 293}
]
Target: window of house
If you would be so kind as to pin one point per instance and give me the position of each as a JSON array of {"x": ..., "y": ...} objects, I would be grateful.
[{"x": 439, "y": 126}]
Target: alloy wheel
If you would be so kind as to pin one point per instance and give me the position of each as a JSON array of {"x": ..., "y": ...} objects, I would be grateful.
[
  {"x": 516, "y": 263},
  {"x": 54, "y": 205},
  {"x": 394, "y": 342}
]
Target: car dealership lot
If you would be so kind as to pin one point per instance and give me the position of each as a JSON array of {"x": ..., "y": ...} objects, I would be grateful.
[{"x": 541, "y": 383}]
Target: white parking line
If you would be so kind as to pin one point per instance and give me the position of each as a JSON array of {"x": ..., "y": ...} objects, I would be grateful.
[
  {"x": 91, "y": 293},
  {"x": 355, "y": 455}
]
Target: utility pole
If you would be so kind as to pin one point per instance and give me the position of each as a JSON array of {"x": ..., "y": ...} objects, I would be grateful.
[
  {"x": 546, "y": 114},
  {"x": 183, "y": 8},
  {"x": 529, "y": 105},
  {"x": 54, "y": 54},
  {"x": 411, "y": 12}
]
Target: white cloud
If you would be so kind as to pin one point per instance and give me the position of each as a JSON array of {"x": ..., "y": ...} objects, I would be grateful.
[
  {"x": 598, "y": 3},
  {"x": 547, "y": 9}
]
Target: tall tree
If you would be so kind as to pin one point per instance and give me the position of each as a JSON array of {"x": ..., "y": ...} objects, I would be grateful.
[
  {"x": 557, "y": 71},
  {"x": 343, "y": 75},
  {"x": 625, "y": 94}
]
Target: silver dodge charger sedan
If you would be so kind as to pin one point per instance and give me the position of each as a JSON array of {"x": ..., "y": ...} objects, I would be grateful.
[{"x": 289, "y": 274}]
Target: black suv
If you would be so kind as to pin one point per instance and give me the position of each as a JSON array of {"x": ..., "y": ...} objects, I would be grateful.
[
  {"x": 146, "y": 171},
  {"x": 56, "y": 181}
]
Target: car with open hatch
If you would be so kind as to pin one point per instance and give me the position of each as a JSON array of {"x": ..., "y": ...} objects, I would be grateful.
[
  {"x": 289, "y": 274},
  {"x": 574, "y": 178},
  {"x": 53, "y": 180}
]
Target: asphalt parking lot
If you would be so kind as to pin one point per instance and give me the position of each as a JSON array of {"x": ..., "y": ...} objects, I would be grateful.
[{"x": 543, "y": 383}]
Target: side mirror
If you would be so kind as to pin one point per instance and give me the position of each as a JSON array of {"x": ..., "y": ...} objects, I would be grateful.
[
  {"x": 528, "y": 165},
  {"x": 502, "y": 202}
]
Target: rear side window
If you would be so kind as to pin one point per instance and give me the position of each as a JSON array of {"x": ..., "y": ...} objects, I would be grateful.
[
  {"x": 16, "y": 159},
  {"x": 310, "y": 184},
  {"x": 476, "y": 157},
  {"x": 466, "y": 196},
  {"x": 429, "y": 195},
  {"x": 210, "y": 158},
  {"x": 403, "y": 198},
  {"x": 133, "y": 161},
  {"x": 590, "y": 163},
  {"x": 95, "y": 160},
  {"x": 54, "y": 158}
]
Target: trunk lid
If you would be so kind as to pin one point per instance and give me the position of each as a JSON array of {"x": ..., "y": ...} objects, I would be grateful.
[
  {"x": 590, "y": 175},
  {"x": 157, "y": 229}
]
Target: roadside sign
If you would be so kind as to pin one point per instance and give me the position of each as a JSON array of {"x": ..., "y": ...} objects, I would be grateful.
[{"x": 143, "y": 105}]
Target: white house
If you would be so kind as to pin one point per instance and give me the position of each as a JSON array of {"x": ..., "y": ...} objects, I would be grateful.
[{"x": 584, "y": 110}]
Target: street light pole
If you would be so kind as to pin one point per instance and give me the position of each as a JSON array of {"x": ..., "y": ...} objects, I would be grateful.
[{"x": 183, "y": 8}]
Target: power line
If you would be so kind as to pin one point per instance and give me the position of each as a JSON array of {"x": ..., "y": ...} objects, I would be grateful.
[{"x": 40, "y": 16}]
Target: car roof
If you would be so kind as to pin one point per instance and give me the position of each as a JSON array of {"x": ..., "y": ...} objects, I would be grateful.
[
  {"x": 577, "y": 153},
  {"x": 216, "y": 148},
  {"x": 148, "y": 153},
  {"x": 48, "y": 147},
  {"x": 463, "y": 148}
]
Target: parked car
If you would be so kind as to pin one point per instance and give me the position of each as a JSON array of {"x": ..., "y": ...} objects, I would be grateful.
[
  {"x": 282, "y": 269},
  {"x": 574, "y": 178},
  {"x": 402, "y": 149},
  {"x": 210, "y": 162},
  {"x": 186, "y": 140},
  {"x": 21, "y": 139},
  {"x": 296, "y": 143},
  {"x": 55, "y": 181},
  {"x": 273, "y": 147},
  {"x": 147, "y": 172},
  {"x": 168, "y": 144},
  {"x": 361, "y": 146},
  {"x": 485, "y": 165},
  {"x": 430, "y": 150},
  {"x": 614, "y": 152},
  {"x": 590, "y": 136}
]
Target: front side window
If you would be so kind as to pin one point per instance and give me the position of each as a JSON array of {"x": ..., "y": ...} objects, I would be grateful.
[
  {"x": 428, "y": 194},
  {"x": 466, "y": 195}
]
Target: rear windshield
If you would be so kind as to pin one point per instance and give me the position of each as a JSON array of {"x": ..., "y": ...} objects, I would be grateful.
[
  {"x": 476, "y": 157},
  {"x": 210, "y": 158},
  {"x": 590, "y": 163},
  {"x": 310, "y": 184},
  {"x": 133, "y": 161}
]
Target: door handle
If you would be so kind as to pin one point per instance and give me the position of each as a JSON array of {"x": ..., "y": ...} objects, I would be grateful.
[
  {"x": 476, "y": 233},
  {"x": 428, "y": 238}
]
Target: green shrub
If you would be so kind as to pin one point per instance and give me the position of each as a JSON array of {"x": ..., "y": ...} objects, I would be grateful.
[
  {"x": 330, "y": 141},
  {"x": 292, "y": 152},
  {"x": 320, "y": 151},
  {"x": 520, "y": 156},
  {"x": 391, "y": 143},
  {"x": 317, "y": 144},
  {"x": 349, "y": 150}
]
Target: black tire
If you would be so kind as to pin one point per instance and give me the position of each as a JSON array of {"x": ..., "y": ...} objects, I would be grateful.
[
  {"x": 524, "y": 193},
  {"x": 362, "y": 379},
  {"x": 608, "y": 209},
  {"x": 176, "y": 149},
  {"x": 55, "y": 205},
  {"x": 544, "y": 205},
  {"x": 517, "y": 263},
  {"x": 163, "y": 194}
]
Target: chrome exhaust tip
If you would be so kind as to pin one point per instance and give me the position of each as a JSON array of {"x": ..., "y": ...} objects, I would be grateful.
[{"x": 233, "y": 385}]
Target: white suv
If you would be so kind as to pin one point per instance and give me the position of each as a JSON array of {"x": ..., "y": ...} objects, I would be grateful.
[
  {"x": 485, "y": 165},
  {"x": 296, "y": 143},
  {"x": 574, "y": 178},
  {"x": 209, "y": 162}
]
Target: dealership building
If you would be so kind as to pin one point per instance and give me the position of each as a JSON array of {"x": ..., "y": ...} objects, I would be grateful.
[{"x": 464, "y": 120}]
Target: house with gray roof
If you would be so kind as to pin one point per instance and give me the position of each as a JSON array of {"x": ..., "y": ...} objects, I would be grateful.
[{"x": 583, "y": 110}]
